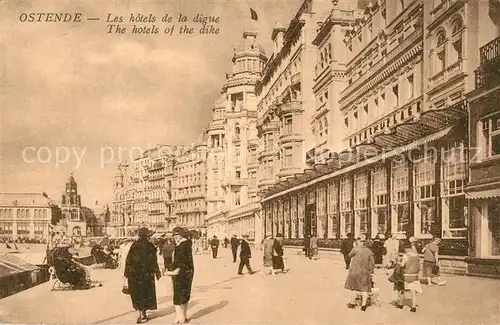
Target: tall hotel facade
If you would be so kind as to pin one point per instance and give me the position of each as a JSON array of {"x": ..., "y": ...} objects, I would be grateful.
[
  {"x": 234, "y": 207},
  {"x": 402, "y": 164}
]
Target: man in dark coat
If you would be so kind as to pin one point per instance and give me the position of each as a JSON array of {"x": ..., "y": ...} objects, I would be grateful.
[
  {"x": 245, "y": 255},
  {"x": 214, "y": 244},
  {"x": 234, "y": 247},
  {"x": 140, "y": 270},
  {"x": 345, "y": 249}
]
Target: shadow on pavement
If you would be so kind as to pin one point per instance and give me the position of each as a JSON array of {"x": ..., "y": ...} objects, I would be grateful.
[
  {"x": 200, "y": 289},
  {"x": 169, "y": 310},
  {"x": 210, "y": 309}
]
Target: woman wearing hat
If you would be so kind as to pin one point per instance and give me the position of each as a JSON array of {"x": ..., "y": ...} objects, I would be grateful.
[
  {"x": 182, "y": 274},
  {"x": 140, "y": 269},
  {"x": 431, "y": 260},
  {"x": 359, "y": 278}
]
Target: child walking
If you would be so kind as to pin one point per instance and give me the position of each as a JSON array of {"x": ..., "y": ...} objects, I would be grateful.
[{"x": 409, "y": 267}]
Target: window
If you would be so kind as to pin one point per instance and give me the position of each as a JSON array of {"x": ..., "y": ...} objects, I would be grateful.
[
  {"x": 441, "y": 38},
  {"x": 491, "y": 134},
  {"x": 301, "y": 214},
  {"x": 493, "y": 233},
  {"x": 456, "y": 26},
  {"x": 361, "y": 202},
  {"x": 238, "y": 174},
  {"x": 268, "y": 141},
  {"x": 424, "y": 193},
  {"x": 288, "y": 123},
  {"x": 293, "y": 215},
  {"x": 345, "y": 205},
  {"x": 395, "y": 91},
  {"x": 441, "y": 60},
  {"x": 384, "y": 18},
  {"x": 399, "y": 191},
  {"x": 253, "y": 178},
  {"x": 411, "y": 86},
  {"x": 332, "y": 210},
  {"x": 320, "y": 211},
  {"x": 326, "y": 125},
  {"x": 288, "y": 157},
  {"x": 379, "y": 200}
]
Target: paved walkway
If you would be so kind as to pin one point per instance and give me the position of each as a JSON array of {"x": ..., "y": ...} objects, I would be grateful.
[{"x": 311, "y": 293}]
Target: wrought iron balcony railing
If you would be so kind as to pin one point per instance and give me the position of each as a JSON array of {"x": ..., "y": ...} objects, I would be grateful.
[
  {"x": 488, "y": 73},
  {"x": 490, "y": 51}
]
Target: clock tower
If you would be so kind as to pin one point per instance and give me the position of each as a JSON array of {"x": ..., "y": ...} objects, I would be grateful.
[{"x": 71, "y": 209}]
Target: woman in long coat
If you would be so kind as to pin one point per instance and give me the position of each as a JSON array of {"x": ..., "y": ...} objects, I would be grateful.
[
  {"x": 140, "y": 270},
  {"x": 182, "y": 274},
  {"x": 359, "y": 278}
]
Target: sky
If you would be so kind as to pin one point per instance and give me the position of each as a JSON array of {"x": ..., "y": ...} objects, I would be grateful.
[{"x": 73, "y": 91}]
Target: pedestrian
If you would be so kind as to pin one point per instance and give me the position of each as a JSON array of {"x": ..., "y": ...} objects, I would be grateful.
[
  {"x": 314, "y": 247},
  {"x": 307, "y": 246},
  {"x": 413, "y": 242},
  {"x": 345, "y": 248},
  {"x": 410, "y": 263},
  {"x": 392, "y": 248},
  {"x": 226, "y": 242},
  {"x": 268, "y": 244},
  {"x": 278, "y": 263},
  {"x": 431, "y": 262},
  {"x": 245, "y": 255},
  {"x": 214, "y": 244},
  {"x": 182, "y": 275},
  {"x": 140, "y": 270},
  {"x": 234, "y": 246},
  {"x": 398, "y": 278},
  {"x": 360, "y": 276},
  {"x": 378, "y": 250},
  {"x": 167, "y": 252}
]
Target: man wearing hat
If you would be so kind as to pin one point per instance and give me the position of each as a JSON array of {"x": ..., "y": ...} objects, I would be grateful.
[
  {"x": 214, "y": 244},
  {"x": 245, "y": 255},
  {"x": 431, "y": 262}
]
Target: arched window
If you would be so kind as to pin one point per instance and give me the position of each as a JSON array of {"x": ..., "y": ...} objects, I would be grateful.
[
  {"x": 330, "y": 51},
  {"x": 320, "y": 129},
  {"x": 456, "y": 26},
  {"x": 237, "y": 129},
  {"x": 441, "y": 38},
  {"x": 326, "y": 125}
]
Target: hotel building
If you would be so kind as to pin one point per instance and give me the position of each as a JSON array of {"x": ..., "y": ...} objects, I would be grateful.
[
  {"x": 404, "y": 167},
  {"x": 190, "y": 187},
  {"x": 25, "y": 215},
  {"x": 233, "y": 146},
  {"x": 483, "y": 189}
]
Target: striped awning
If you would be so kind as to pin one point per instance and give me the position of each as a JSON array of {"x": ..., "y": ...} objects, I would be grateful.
[{"x": 482, "y": 191}]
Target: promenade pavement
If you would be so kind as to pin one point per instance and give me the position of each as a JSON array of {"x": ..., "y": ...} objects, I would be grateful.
[{"x": 310, "y": 293}]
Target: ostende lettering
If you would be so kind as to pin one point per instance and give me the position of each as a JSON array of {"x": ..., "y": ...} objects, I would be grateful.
[{"x": 50, "y": 17}]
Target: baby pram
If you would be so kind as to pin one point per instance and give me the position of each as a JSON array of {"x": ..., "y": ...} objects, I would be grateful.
[
  {"x": 67, "y": 271},
  {"x": 100, "y": 257}
]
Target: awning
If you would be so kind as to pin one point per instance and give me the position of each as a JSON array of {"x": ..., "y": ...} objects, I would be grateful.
[
  {"x": 483, "y": 194},
  {"x": 363, "y": 163},
  {"x": 482, "y": 191}
]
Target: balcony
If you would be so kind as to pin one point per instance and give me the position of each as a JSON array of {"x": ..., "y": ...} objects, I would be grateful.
[
  {"x": 447, "y": 74},
  {"x": 268, "y": 151},
  {"x": 290, "y": 107},
  {"x": 488, "y": 73}
]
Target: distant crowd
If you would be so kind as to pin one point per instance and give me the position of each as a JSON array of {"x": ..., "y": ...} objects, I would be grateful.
[{"x": 22, "y": 240}]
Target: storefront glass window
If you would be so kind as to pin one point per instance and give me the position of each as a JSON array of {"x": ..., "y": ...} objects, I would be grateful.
[
  {"x": 321, "y": 210},
  {"x": 454, "y": 206},
  {"x": 286, "y": 213},
  {"x": 399, "y": 190},
  {"x": 361, "y": 203},
  {"x": 293, "y": 213},
  {"x": 280, "y": 217},
  {"x": 424, "y": 194},
  {"x": 345, "y": 206},
  {"x": 333, "y": 197},
  {"x": 494, "y": 227},
  {"x": 301, "y": 211},
  {"x": 379, "y": 200}
]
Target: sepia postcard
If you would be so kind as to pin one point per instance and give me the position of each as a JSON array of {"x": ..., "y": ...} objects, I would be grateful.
[{"x": 250, "y": 162}]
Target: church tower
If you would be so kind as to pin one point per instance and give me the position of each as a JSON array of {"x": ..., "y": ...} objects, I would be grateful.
[{"x": 71, "y": 201}]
